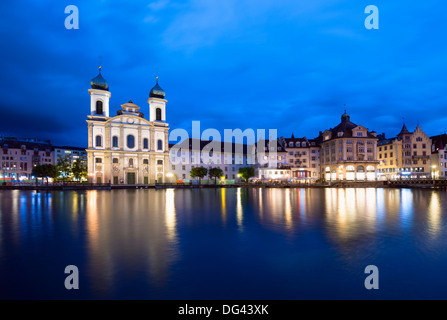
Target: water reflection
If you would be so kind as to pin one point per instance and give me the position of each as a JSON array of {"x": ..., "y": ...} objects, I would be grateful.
[
  {"x": 151, "y": 237},
  {"x": 283, "y": 210},
  {"x": 130, "y": 231},
  {"x": 223, "y": 205},
  {"x": 239, "y": 211},
  {"x": 434, "y": 215}
]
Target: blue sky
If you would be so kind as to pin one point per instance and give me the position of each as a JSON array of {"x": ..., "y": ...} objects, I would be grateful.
[{"x": 285, "y": 64}]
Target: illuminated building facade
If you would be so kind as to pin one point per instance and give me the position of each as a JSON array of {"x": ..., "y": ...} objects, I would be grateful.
[
  {"x": 303, "y": 157},
  {"x": 271, "y": 161},
  {"x": 348, "y": 152},
  {"x": 19, "y": 156},
  {"x": 405, "y": 156},
  {"x": 70, "y": 153},
  {"x": 126, "y": 148}
]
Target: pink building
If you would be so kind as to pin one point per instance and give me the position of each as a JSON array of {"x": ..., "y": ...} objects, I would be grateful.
[{"x": 19, "y": 156}]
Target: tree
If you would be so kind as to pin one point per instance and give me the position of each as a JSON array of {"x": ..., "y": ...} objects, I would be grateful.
[
  {"x": 64, "y": 167},
  {"x": 215, "y": 173},
  {"x": 198, "y": 172},
  {"x": 79, "y": 170},
  {"x": 45, "y": 171},
  {"x": 51, "y": 171},
  {"x": 247, "y": 172},
  {"x": 38, "y": 172}
]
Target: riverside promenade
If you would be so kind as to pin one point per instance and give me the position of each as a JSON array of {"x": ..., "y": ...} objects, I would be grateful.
[{"x": 420, "y": 183}]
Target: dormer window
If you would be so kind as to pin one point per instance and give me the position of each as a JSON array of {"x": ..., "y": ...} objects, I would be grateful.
[
  {"x": 340, "y": 134},
  {"x": 297, "y": 144}
]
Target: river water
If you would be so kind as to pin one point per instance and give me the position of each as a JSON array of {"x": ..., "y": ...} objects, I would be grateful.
[{"x": 241, "y": 243}]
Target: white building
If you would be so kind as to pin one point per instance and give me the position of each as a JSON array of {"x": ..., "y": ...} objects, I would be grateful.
[
  {"x": 70, "y": 153},
  {"x": 271, "y": 161},
  {"x": 126, "y": 148},
  {"x": 303, "y": 157},
  {"x": 192, "y": 153}
]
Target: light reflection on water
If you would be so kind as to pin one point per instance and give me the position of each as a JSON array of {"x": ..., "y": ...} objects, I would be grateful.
[{"x": 177, "y": 243}]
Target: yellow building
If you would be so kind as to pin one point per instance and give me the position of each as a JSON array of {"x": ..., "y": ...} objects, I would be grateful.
[
  {"x": 405, "y": 156},
  {"x": 348, "y": 152}
]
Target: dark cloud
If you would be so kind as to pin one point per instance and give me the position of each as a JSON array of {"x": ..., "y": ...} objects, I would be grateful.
[{"x": 290, "y": 65}]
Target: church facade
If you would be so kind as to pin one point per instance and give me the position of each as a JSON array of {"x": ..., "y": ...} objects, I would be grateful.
[{"x": 126, "y": 148}]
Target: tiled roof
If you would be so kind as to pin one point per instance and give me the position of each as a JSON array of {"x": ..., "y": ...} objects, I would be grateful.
[
  {"x": 29, "y": 145},
  {"x": 188, "y": 144}
]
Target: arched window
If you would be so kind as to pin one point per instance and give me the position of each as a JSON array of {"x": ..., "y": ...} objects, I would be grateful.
[
  {"x": 360, "y": 169},
  {"x": 158, "y": 114},
  {"x": 297, "y": 144},
  {"x": 304, "y": 144},
  {"x": 159, "y": 144},
  {"x": 98, "y": 141},
  {"x": 130, "y": 141},
  {"x": 115, "y": 142},
  {"x": 145, "y": 143},
  {"x": 290, "y": 144},
  {"x": 350, "y": 168},
  {"x": 99, "y": 107},
  {"x": 130, "y": 162}
]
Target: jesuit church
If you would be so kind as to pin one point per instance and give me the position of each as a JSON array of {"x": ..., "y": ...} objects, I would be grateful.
[{"x": 126, "y": 148}]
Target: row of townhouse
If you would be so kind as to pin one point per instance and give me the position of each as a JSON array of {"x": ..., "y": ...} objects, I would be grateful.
[
  {"x": 412, "y": 155},
  {"x": 20, "y": 155},
  {"x": 351, "y": 152}
]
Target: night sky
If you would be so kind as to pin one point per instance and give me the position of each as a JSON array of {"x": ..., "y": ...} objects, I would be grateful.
[{"x": 285, "y": 64}]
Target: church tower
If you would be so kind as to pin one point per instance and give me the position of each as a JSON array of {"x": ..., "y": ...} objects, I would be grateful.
[
  {"x": 99, "y": 96},
  {"x": 157, "y": 104}
]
